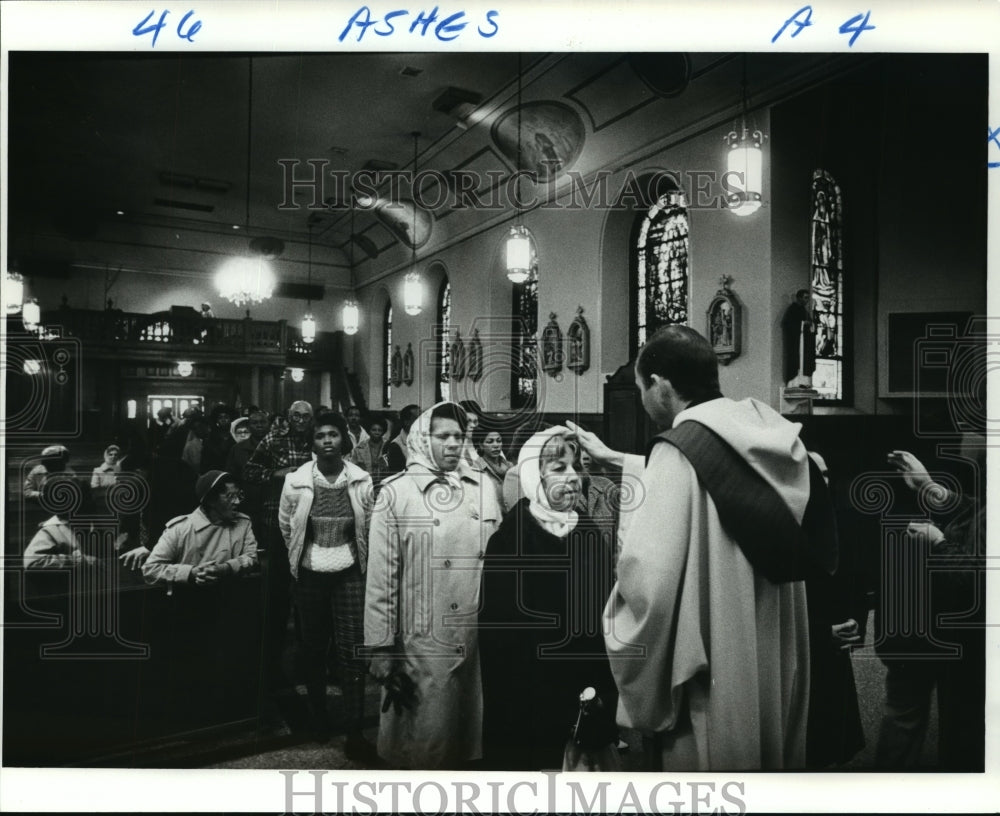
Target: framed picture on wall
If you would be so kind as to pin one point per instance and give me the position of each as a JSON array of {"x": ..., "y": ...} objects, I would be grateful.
[
  {"x": 725, "y": 323},
  {"x": 408, "y": 365},
  {"x": 396, "y": 368}
]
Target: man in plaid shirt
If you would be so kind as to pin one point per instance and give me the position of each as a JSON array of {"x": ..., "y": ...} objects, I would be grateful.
[{"x": 277, "y": 455}]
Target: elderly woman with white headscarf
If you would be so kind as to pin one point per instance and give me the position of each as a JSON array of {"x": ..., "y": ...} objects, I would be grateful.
[
  {"x": 427, "y": 542},
  {"x": 546, "y": 578}
]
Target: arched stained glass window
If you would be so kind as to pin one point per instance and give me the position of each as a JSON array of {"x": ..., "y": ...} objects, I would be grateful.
[
  {"x": 524, "y": 348},
  {"x": 443, "y": 390},
  {"x": 828, "y": 286},
  {"x": 524, "y": 372},
  {"x": 387, "y": 356},
  {"x": 659, "y": 266}
]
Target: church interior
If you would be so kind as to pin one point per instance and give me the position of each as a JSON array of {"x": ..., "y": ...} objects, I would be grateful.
[{"x": 386, "y": 229}]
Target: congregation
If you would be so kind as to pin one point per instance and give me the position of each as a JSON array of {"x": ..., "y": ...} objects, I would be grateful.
[{"x": 486, "y": 574}]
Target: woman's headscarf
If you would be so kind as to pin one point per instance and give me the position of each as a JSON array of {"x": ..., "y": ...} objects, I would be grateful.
[
  {"x": 418, "y": 443},
  {"x": 559, "y": 523},
  {"x": 235, "y": 425}
]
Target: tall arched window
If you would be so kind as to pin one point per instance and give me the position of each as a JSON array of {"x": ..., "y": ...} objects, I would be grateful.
[
  {"x": 659, "y": 265},
  {"x": 387, "y": 356},
  {"x": 443, "y": 389},
  {"x": 827, "y": 245},
  {"x": 524, "y": 362}
]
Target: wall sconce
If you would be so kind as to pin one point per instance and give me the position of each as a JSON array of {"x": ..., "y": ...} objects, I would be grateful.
[
  {"x": 185, "y": 368},
  {"x": 297, "y": 374},
  {"x": 32, "y": 367},
  {"x": 350, "y": 316}
]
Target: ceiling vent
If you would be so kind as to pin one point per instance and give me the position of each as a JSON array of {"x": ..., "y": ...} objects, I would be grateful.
[
  {"x": 410, "y": 71},
  {"x": 183, "y": 205}
]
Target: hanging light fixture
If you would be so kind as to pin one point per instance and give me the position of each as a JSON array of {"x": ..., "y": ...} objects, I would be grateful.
[
  {"x": 309, "y": 322},
  {"x": 32, "y": 367},
  {"x": 297, "y": 374},
  {"x": 247, "y": 279},
  {"x": 518, "y": 240},
  {"x": 744, "y": 162},
  {"x": 350, "y": 311},
  {"x": 31, "y": 315},
  {"x": 13, "y": 291},
  {"x": 413, "y": 287},
  {"x": 185, "y": 368}
]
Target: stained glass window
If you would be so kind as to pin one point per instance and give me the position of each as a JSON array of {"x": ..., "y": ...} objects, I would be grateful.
[
  {"x": 660, "y": 269},
  {"x": 524, "y": 364},
  {"x": 444, "y": 346},
  {"x": 387, "y": 357},
  {"x": 828, "y": 286}
]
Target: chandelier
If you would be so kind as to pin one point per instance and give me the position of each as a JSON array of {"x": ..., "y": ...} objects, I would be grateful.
[
  {"x": 13, "y": 292},
  {"x": 247, "y": 279}
]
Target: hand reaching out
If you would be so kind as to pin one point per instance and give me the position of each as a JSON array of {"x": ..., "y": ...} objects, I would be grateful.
[
  {"x": 912, "y": 469},
  {"x": 134, "y": 558},
  {"x": 593, "y": 445}
]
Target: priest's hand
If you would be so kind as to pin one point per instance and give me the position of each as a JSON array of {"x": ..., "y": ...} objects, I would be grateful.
[{"x": 593, "y": 445}]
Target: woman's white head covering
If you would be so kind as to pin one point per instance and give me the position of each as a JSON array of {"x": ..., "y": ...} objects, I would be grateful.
[
  {"x": 236, "y": 424},
  {"x": 418, "y": 443},
  {"x": 559, "y": 523}
]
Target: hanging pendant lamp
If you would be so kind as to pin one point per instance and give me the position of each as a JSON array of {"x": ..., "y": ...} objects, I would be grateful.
[
  {"x": 308, "y": 321},
  {"x": 350, "y": 312},
  {"x": 744, "y": 162},
  {"x": 413, "y": 285},
  {"x": 246, "y": 279},
  {"x": 518, "y": 249}
]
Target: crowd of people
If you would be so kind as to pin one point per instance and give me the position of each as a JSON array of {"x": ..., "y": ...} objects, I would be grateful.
[{"x": 485, "y": 575}]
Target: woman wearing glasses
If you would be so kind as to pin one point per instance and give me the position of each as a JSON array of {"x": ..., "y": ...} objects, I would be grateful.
[
  {"x": 214, "y": 542},
  {"x": 323, "y": 516}
]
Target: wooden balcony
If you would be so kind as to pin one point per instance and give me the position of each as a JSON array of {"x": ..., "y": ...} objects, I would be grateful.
[{"x": 182, "y": 332}]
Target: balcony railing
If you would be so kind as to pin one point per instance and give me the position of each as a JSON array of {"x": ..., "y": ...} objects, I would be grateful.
[{"x": 175, "y": 328}]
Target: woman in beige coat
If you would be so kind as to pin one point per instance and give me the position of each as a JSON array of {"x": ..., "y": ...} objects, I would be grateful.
[{"x": 428, "y": 538}]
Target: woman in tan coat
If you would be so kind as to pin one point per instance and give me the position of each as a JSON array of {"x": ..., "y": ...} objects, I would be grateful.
[{"x": 428, "y": 538}]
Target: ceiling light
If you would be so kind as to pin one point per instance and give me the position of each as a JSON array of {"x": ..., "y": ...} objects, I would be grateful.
[
  {"x": 185, "y": 368},
  {"x": 744, "y": 162},
  {"x": 297, "y": 374},
  {"x": 13, "y": 291},
  {"x": 413, "y": 287},
  {"x": 308, "y": 321}
]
